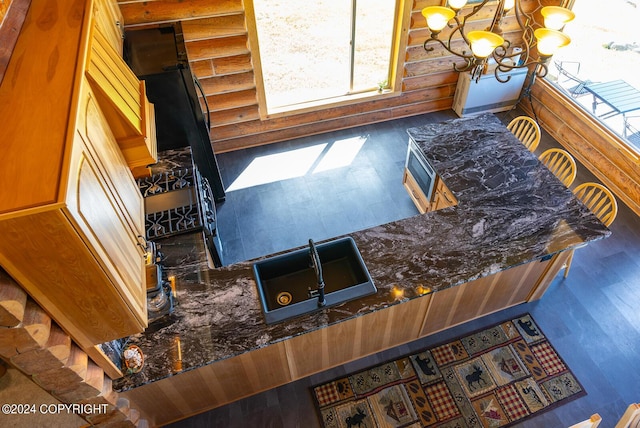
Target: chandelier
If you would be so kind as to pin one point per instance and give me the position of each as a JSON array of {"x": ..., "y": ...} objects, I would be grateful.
[{"x": 481, "y": 46}]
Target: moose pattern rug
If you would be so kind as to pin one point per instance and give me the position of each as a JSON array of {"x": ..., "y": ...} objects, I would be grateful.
[{"x": 491, "y": 378}]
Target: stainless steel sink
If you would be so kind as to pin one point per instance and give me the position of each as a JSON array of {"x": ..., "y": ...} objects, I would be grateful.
[{"x": 284, "y": 281}]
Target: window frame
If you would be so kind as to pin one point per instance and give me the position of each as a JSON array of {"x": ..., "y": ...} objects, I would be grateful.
[{"x": 401, "y": 24}]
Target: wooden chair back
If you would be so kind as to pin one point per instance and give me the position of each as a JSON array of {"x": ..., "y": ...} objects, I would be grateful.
[
  {"x": 631, "y": 418},
  {"x": 561, "y": 164},
  {"x": 526, "y": 130},
  {"x": 603, "y": 204},
  {"x": 592, "y": 422},
  {"x": 599, "y": 200}
]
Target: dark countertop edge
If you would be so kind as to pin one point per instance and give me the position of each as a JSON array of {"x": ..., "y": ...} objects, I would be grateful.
[{"x": 244, "y": 270}]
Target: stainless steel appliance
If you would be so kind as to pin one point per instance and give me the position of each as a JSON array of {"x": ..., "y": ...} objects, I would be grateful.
[
  {"x": 159, "y": 293},
  {"x": 158, "y": 56},
  {"x": 180, "y": 201},
  {"x": 420, "y": 169}
]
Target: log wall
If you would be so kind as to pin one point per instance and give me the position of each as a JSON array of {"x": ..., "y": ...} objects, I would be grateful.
[
  {"x": 34, "y": 344},
  {"x": 221, "y": 43},
  {"x": 603, "y": 152}
]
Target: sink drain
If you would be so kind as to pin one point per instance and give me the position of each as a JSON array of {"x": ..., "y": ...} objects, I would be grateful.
[{"x": 283, "y": 298}]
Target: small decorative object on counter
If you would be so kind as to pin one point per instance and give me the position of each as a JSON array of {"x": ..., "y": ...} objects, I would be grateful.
[{"x": 133, "y": 359}]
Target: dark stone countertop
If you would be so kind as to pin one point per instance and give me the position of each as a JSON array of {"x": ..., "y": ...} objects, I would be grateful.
[{"x": 511, "y": 210}]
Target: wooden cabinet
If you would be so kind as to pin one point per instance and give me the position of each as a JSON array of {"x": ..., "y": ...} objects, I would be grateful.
[
  {"x": 108, "y": 20},
  {"x": 475, "y": 299},
  {"x": 81, "y": 257},
  {"x": 71, "y": 215},
  {"x": 122, "y": 98},
  {"x": 442, "y": 196},
  {"x": 415, "y": 192}
]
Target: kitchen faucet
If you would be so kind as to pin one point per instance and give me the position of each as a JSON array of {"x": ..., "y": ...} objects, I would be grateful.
[{"x": 317, "y": 267}]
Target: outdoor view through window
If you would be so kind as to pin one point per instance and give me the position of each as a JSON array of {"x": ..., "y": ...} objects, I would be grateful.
[
  {"x": 605, "y": 48},
  {"x": 306, "y": 48}
]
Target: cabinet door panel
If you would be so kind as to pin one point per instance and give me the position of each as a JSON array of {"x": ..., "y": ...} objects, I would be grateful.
[
  {"x": 59, "y": 271},
  {"x": 472, "y": 300},
  {"x": 112, "y": 235},
  {"x": 109, "y": 22},
  {"x": 107, "y": 155},
  {"x": 415, "y": 192},
  {"x": 116, "y": 80},
  {"x": 356, "y": 338}
]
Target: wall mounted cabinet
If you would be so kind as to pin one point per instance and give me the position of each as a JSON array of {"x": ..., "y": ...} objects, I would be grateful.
[
  {"x": 122, "y": 98},
  {"x": 71, "y": 215}
]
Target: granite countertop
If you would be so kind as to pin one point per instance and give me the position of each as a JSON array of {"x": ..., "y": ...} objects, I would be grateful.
[{"x": 511, "y": 210}]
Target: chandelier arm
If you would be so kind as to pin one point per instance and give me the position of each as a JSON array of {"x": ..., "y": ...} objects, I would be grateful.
[
  {"x": 460, "y": 27},
  {"x": 470, "y": 64},
  {"x": 541, "y": 69},
  {"x": 497, "y": 17},
  {"x": 499, "y": 77},
  {"x": 447, "y": 47},
  {"x": 477, "y": 8},
  {"x": 524, "y": 19}
]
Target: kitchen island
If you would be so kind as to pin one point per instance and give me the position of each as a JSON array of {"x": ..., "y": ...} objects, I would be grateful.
[{"x": 499, "y": 246}]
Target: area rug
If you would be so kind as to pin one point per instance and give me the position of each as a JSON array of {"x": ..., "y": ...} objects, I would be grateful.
[{"x": 492, "y": 378}]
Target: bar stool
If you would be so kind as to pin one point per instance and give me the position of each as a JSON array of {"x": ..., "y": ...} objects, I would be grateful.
[
  {"x": 561, "y": 164},
  {"x": 526, "y": 130},
  {"x": 600, "y": 202}
]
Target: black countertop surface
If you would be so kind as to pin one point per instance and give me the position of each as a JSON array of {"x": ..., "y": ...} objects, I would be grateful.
[{"x": 511, "y": 210}]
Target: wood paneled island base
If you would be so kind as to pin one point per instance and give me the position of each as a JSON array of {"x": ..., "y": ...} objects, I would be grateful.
[{"x": 225, "y": 381}]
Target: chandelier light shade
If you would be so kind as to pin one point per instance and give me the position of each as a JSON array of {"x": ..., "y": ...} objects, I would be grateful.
[
  {"x": 457, "y": 4},
  {"x": 534, "y": 43},
  {"x": 549, "y": 41},
  {"x": 556, "y": 17},
  {"x": 483, "y": 43},
  {"x": 437, "y": 17}
]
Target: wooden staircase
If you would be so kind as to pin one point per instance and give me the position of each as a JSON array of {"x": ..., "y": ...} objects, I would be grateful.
[
  {"x": 219, "y": 55},
  {"x": 34, "y": 344}
]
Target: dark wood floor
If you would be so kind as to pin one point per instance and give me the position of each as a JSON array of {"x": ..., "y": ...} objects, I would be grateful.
[{"x": 591, "y": 317}]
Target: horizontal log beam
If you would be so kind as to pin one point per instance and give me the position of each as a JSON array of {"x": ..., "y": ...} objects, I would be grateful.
[
  {"x": 334, "y": 112},
  {"x": 218, "y": 26},
  {"x": 217, "y": 47},
  {"x": 145, "y": 12},
  {"x": 332, "y": 125}
]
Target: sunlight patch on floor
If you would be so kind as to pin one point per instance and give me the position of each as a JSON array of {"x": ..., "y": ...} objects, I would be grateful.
[
  {"x": 278, "y": 166},
  {"x": 341, "y": 153},
  {"x": 298, "y": 162}
]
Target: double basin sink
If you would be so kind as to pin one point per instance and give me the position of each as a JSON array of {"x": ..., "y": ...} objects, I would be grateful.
[{"x": 285, "y": 281}]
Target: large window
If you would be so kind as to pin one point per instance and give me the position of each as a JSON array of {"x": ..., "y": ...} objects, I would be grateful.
[
  {"x": 321, "y": 50},
  {"x": 604, "y": 50}
]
